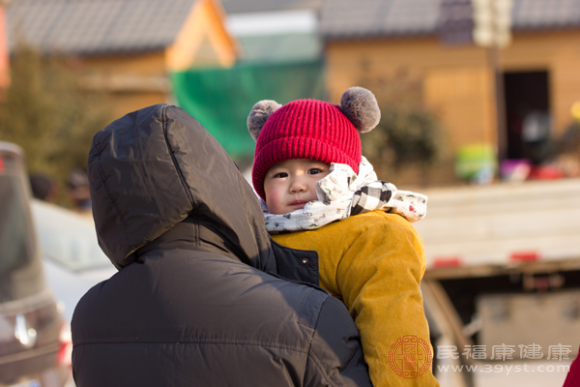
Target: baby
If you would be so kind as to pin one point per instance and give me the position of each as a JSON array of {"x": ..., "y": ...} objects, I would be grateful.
[{"x": 319, "y": 193}]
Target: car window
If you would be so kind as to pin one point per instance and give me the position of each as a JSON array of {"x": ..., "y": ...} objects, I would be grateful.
[{"x": 21, "y": 273}]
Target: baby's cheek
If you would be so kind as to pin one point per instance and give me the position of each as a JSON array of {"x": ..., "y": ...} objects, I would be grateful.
[{"x": 273, "y": 200}]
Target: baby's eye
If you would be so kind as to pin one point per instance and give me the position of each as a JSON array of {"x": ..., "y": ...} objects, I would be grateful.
[
  {"x": 280, "y": 175},
  {"x": 314, "y": 171}
]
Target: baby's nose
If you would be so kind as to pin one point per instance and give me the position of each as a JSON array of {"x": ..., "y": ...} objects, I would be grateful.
[{"x": 298, "y": 185}]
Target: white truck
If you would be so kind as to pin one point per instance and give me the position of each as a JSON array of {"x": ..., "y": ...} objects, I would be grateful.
[{"x": 502, "y": 286}]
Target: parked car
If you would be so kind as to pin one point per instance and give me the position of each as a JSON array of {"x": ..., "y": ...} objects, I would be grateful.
[
  {"x": 34, "y": 337},
  {"x": 73, "y": 260}
]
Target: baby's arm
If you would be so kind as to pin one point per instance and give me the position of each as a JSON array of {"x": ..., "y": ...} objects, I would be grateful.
[{"x": 379, "y": 279}]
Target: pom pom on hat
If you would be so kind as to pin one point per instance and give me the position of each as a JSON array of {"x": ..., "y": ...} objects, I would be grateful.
[
  {"x": 259, "y": 114},
  {"x": 360, "y": 106}
]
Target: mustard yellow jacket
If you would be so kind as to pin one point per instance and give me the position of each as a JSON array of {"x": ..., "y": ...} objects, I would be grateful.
[{"x": 374, "y": 263}]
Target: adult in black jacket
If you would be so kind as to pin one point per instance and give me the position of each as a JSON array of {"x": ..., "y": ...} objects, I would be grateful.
[{"x": 192, "y": 303}]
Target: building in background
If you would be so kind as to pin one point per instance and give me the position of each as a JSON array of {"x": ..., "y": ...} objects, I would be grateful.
[
  {"x": 217, "y": 62},
  {"x": 126, "y": 48},
  {"x": 280, "y": 58},
  {"x": 381, "y": 38},
  {"x": 275, "y": 31}
]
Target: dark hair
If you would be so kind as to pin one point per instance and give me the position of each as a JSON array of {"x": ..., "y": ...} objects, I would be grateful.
[{"x": 41, "y": 186}]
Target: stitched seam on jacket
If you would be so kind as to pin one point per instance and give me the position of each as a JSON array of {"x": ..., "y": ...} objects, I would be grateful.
[
  {"x": 313, "y": 331},
  {"x": 348, "y": 363},
  {"x": 323, "y": 372},
  {"x": 102, "y": 173},
  {"x": 165, "y": 342},
  {"x": 196, "y": 229},
  {"x": 312, "y": 355},
  {"x": 302, "y": 307},
  {"x": 175, "y": 163}
]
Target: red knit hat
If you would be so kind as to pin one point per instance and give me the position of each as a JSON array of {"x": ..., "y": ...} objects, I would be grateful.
[{"x": 311, "y": 129}]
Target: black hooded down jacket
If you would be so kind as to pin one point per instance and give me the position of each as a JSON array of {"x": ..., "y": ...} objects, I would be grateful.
[{"x": 192, "y": 303}]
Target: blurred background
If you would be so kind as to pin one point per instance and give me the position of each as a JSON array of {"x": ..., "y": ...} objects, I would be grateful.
[{"x": 480, "y": 103}]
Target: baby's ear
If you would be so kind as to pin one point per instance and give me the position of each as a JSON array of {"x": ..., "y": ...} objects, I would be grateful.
[
  {"x": 259, "y": 115},
  {"x": 360, "y": 106}
]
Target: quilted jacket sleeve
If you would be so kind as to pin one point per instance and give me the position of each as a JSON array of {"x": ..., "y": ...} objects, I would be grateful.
[{"x": 335, "y": 357}]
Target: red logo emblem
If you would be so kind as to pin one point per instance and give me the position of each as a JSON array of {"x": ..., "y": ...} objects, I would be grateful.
[{"x": 410, "y": 357}]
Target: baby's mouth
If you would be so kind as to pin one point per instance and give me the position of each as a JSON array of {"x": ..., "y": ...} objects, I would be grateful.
[{"x": 298, "y": 203}]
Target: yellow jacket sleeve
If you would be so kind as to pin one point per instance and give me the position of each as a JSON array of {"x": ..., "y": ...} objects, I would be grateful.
[
  {"x": 374, "y": 263},
  {"x": 379, "y": 280}
]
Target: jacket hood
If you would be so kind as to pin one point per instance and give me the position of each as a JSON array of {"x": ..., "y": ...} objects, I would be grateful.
[{"x": 157, "y": 166}]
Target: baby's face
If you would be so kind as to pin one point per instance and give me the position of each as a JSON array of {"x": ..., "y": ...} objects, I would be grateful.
[{"x": 290, "y": 184}]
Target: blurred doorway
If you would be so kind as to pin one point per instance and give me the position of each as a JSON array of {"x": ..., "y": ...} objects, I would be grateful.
[{"x": 527, "y": 103}]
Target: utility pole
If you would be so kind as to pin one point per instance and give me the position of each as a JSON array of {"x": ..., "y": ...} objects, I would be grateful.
[{"x": 492, "y": 30}]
